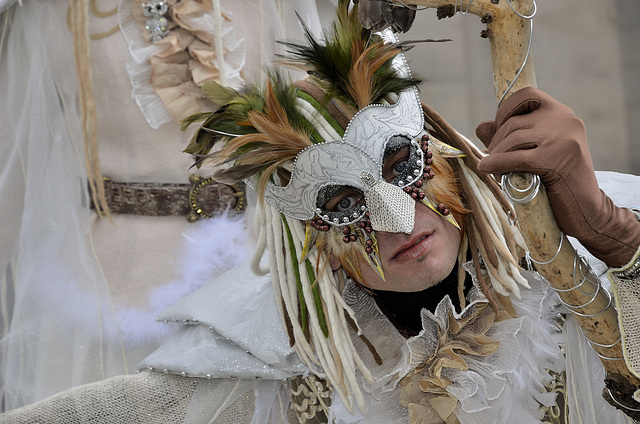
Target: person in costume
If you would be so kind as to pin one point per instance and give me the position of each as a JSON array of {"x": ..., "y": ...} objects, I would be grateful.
[{"x": 386, "y": 286}]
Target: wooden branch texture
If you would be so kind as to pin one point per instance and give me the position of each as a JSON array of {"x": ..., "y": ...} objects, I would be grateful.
[{"x": 509, "y": 35}]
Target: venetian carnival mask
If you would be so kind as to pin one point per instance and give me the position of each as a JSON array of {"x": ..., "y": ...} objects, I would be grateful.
[
  {"x": 353, "y": 170},
  {"x": 338, "y": 156}
]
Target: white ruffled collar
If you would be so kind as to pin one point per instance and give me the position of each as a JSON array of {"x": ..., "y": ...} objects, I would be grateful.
[{"x": 488, "y": 387}]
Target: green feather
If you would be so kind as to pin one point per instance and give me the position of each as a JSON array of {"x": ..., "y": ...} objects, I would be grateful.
[
  {"x": 330, "y": 62},
  {"x": 218, "y": 93},
  {"x": 322, "y": 320},
  {"x": 196, "y": 117}
]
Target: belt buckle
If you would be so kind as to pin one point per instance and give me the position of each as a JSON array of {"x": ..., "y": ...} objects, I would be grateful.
[{"x": 198, "y": 184}]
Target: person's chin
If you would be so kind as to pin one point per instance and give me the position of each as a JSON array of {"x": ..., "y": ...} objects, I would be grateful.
[{"x": 414, "y": 281}]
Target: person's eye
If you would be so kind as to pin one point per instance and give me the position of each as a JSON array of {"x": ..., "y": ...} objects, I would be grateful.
[
  {"x": 396, "y": 164},
  {"x": 343, "y": 201},
  {"x": 400, "y": 166}
]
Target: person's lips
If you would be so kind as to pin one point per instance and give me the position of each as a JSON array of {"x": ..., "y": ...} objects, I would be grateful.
[{"x": 414, "y": 248}]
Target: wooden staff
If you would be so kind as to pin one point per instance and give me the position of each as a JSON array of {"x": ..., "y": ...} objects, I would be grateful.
[{"x": 509, "y": 33}]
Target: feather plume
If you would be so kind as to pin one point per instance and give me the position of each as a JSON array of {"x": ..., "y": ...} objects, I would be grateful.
[
  {"x": 352, "y": 64},
  {"x": 276, "y": 141},
  {"x": 219, "y": 93},
  {"x": 260, "y": 128}
]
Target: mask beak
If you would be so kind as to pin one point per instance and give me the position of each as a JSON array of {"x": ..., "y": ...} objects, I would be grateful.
[{"x": 390, "y": 208}]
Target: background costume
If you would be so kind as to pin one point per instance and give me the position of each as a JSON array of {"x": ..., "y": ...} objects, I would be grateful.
[{"x": 80, "y": 293}]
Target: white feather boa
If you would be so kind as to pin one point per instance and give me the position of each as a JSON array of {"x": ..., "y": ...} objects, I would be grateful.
[{"x": 208, "y": 249}]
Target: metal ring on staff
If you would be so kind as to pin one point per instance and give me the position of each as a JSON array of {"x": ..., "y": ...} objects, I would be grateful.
[{"x": 532, "y": 189}]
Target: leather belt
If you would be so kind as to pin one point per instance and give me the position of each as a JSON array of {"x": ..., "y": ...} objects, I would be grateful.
[{"x": 203, "y": 198}]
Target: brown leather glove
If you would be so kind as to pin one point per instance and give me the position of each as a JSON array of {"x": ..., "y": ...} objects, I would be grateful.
[{"x": 534, "y": 133}]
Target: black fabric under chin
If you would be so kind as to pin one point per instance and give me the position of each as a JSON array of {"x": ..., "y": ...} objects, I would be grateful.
[{"x": 403, "y": 308}]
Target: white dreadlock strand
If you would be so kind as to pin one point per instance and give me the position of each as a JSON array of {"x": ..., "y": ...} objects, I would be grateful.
[
  {"x": 285, "y": 284},
  {"x": 503, "y": 286},
  {"x": 506, "y": 275},
  {"x": 262, "y": 243},
  {"x": 494, "y": 212},
  {"x": 336, "y": 309},
  {"x": 476, "y": 185},
  {"x": 462, "y": 257},
  {"x": 326, "y": 131},
  {"x": 508, "y": 228},
  {"x": 508, "y": 269},
  {"x": 281, "y": 286},
  {"x": 338, "y": 348}
]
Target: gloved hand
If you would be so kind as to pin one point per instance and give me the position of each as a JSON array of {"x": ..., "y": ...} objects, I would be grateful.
[{"x": 534, "y": 133}]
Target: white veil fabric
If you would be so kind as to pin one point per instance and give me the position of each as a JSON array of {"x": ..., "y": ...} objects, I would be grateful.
[
  {"x": 47, "y": 261},
  {"x": 78, "y": 293}
]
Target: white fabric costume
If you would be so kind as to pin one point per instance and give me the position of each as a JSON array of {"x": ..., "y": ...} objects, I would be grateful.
[
  {"x": 497, "y": 389},
  {"x": 232, "y": 341}
]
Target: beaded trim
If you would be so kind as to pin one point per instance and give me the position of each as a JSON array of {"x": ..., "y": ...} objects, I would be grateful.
[{"x": 632, "y": 272}]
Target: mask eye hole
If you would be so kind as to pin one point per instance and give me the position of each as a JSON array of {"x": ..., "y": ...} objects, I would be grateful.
[
  {"x": 340, "y": 205},
  {"x": 344, "y": 200},
  {"x": 396, "y": 164},
  {"x": 402, "y": 161}
]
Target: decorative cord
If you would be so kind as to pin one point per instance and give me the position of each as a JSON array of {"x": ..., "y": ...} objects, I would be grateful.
[
  {"x": 217, "y": 34},
  {"x": 99, "y": 13},
  {"x": 78, "y": 23},
  {"x": 455, "y": 7},
  {"x": 621, "y": 405},
  {"x": 535, "y": 9},
  {"x": 313, "y": 393}
]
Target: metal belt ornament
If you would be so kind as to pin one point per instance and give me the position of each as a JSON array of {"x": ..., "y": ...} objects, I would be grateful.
[
  {"x": 202, "y": 198},
  {"x": 198, "y": 210}
]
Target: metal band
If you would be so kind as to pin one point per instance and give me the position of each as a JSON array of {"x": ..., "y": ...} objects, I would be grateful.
[
  {"x": 597, "y": 313},
  {"x": 507, "y": 187},
  {"x": 608, "y": 358},
  {"x": 203, "y": 198},
  {"x": 603, "y": 345},
  {"x": 587, "y": 303},
  {"x": 600, "y": 344},
  {"x": 530, "y": 259}
]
